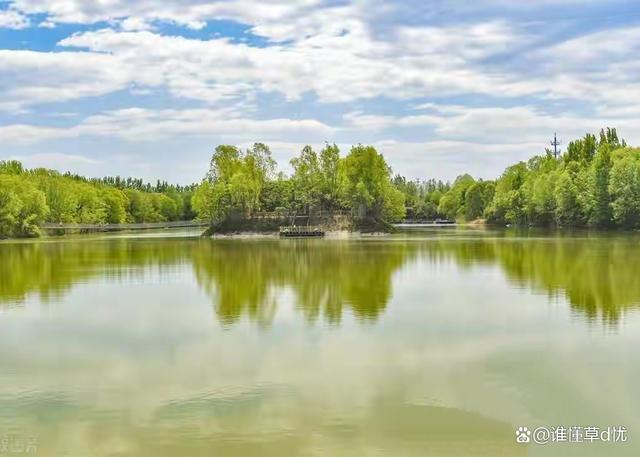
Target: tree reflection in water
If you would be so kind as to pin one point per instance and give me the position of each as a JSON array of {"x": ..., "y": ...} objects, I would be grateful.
[
  {"x": 325, "y": 276},
  {"x": 597, "y": 274}
]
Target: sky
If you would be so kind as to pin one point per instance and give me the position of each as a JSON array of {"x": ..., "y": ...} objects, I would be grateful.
[{"x": 148, "y": 88}]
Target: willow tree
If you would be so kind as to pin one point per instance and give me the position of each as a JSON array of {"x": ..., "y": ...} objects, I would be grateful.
[
  {"x": 307, "y": 179},
  {"x": 22, "y": 207},
  {"x": 234, "y": 182},
  {"x": 624, "y": 188},
  {"x": 331, "y": 182},
  {"x": 452, "y": 204},
  {"x": 368, "y": 185},
  {"x": 599, "y": 197}
]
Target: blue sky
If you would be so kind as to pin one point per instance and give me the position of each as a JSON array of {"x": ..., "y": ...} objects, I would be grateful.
[{"x": 149, "y": 88}]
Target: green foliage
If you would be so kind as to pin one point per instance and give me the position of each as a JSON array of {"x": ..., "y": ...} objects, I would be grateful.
[
  {"x": 238, "y": 184},
  {"x": 624, "y": 188},
  {"x": 422, "y": 198},
  {"x": 22, "y": 207},
  {"x": 277, "y": 195},
  {"x": 599, "y": 199},
  {"x": 234, "y": 182},
  {"x": 11, "y": 167},
  {"x": 307, "y": 179},
  {"x": 317, "y": 181},
  {"x": 610, "y": 138},
  {"x": 508, "y": 205},
  {"x": 32, "y": 197},
  {"x": 368, "y": 187},
  {"x": 211, "y": 201},
  {"x": 115, "y": 203},
  {"x": 331, "y": 178},
  {"x": 477, "y": 198},
  {"x": 453, "y": 203},
  {"x": 582, "y": 150},
  {"x": 596, "y": 183},
  {"x": 567, "y": 211}
]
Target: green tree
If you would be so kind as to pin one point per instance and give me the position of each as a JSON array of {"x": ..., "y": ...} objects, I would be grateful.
[
  {"x": 234, "y": 182},
  {"x": 211, "y": 201},
  {"x": 277, "y": 195},
  {"x": 541, "y": 208},
  {"x": 165, "y": 206},
  {"x": 599, "y": 198},
  {"x": 331, "y": 182},
  {"x": 141, "y": 208},
  {"x": 262, "y": 162},
  {"x": 22, "y": 207},
  {"x": 508, "y": 205},
  {"x": 307, "y": 179},
  {"x": 10, "y": 207},
  {"x": 582, "y": 150},
  {"x": 610, "y": 138},
  {"x": 11, "y": 167},
  {"x": 368, "y": 186},
  {"x": 477, "y": 198},
  {"x": 452, "y": 204},
  {"x": 624, "y": 188},
  {"x": 115, "y": 205},
  {"x": 567, "y": 207},
  {"x": 91, "y": 208}
]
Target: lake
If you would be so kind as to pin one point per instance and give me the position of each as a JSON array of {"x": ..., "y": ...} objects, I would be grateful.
[{"x": 428, "y": 342}]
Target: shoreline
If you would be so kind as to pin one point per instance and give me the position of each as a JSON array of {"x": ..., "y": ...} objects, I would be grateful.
[
  {"x": 334, "y": 234},
  {"x": 330, "y": 234}
]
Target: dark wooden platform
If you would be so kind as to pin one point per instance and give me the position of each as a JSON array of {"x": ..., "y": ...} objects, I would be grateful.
[{"x": 301, "y": 232}]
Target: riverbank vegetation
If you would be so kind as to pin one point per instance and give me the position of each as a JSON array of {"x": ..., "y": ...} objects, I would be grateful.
[
  {"x": 596, "y": 183},
  {"x": 29, "y": 198}
]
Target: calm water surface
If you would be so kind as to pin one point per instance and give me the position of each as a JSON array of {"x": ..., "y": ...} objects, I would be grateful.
[{"x": 425, "y": 343}]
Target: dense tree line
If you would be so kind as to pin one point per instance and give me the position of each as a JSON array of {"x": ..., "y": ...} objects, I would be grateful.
[
  {"x": 29, "y": 198},
  {"x": 596, "y": 183},
  {"x": 422, "y": 198},
  {"x": 239, "y": 183}
]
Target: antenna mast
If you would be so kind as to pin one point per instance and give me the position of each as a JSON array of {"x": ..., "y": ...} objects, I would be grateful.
[{"x": 555, "y": 143}]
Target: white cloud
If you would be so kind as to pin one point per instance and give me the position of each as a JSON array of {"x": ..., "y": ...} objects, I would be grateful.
[
  {"x": 496, "y": 125},
  {"x": 28, "y": 77},
  {"x": 137, "y": 124},
  {"x": 142, "y": 125},
  {"x": 333, "y": 54},
  {"x": 464, "y": 43},
  {"x": 12, "y": 19},
  {"x": 597, "y": 68},
  {"x": 132, "y": 24},
  {"x": 55, "y": 160},
  {"x": 338, "y": 65},
  {"x": 448, "y": 159},
  {"x": 188, "y": 13},
  {"x": 22, "y": 134}
]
